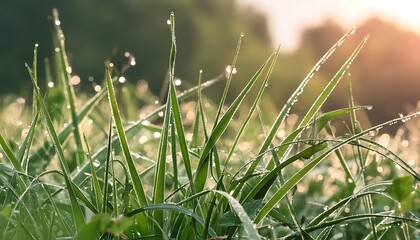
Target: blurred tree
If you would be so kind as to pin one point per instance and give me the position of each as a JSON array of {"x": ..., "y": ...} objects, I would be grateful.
[
  {"x": 385, "y": 74},
  {"x": 207, "y": 32}
]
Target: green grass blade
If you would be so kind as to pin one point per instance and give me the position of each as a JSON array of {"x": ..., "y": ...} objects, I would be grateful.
[
  {"x": 106, "y": 173},
  {"x": 42, "y": 155},
  {"x": 23, "y": 153},
  {"x": 243, "y": 216},
  {"x": 138, "y": 187},
  {"x": 175, "y": 107},
  {"x": 293, "y": 98},
  {"x": 159, "y": 182},
  {"x": 253, "y": 107},
  {"x": 325, "y": 94},
  {"x": 171, "y": 207},
  {"x": 69, "y": 89},
  {"x": 95, "y": 181},
  {"x": 298, "y": 176},
  {"x": 76, "y": 211},
  {"x": 201, "y": 173},
  {"x": 80, "y": 176},
  {"x": 10, "y": 155},
  {"x": 137, "y": 184}
]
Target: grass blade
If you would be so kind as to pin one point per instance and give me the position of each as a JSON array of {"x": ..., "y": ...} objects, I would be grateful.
[
  {"x": 106, "y": 173},
  {"x": 137, "y": 184},
  {"x": 175, "y": 107},
  {"x": 80, "y": 176},
  {"x": 76, "y": 211},
  {"x": 171, "y": 207},
  {"x": 201, "y": 173},
  {"x": 69, "y": 89},
  {"x": 243, "y": 216},
  {"x": 293, "y": 98},
  {"x": 95, "y": 181},
  {"x": 298, "y": 176}
]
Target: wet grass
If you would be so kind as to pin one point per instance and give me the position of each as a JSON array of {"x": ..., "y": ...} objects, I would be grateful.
[{"x": 192, "y": 169}]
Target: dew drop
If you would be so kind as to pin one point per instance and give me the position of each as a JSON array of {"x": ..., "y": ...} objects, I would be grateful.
[
  {"x": 121, "y": 79},
  {"x": 160, "y": 114},
  {"x": 57, "y": 22},
  {"x": 75, "y": 80},
  {"x": 177, "y": 82},
  {"x": 242, "y": 34},
  {"x": 156, "y": 134},
  {"x": 201, "y": 70},
  {"x": 50, "y": 84},
  {"x": 369, "y": 107},
  {"x": 36, "y": 45},
  {"x": 127, "y": 54},
  {"x": 168, "y": 21},
  {"x": 133, "y": 62},
  {"x": 97, "y": 88},
  {"x": 96, "y": 163}
]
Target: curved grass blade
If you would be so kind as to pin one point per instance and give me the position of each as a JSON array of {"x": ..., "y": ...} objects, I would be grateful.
[
  {"x": 171, "y": 207},
  {"x": 201, "y": 173},
  {"x": 23, "y": 153},
  {"x": 76, "y": 210},
  {"x": 243, "y": 216},
  {"x": 43, "y": 155},
  {"x": 69, "y": 89},
  {"x": 298, "y": 176},
  {"x": 293, "y": 98}
]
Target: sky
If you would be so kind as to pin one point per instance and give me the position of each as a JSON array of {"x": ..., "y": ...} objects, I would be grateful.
[{"x": 288, "y": 18}]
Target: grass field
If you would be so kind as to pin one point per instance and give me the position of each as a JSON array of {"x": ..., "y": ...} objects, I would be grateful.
[{"x": 121, "y": 164}]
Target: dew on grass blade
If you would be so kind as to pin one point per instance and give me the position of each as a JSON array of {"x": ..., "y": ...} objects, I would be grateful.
[
  {"x": 50, "y": 84},
  {"x": 96, "y": 163},
  {"x": 121, "y": 79},
  {"x": 168, "y": 21},
  {"x": 57, "y": 49},
  {"x": 57, "y": 22},
  {"x": 156, "y": 134},
  {"x": 177, "y": 82},
  {"x": 75, "y": 80},
  {"x": 97, "y": 88}
]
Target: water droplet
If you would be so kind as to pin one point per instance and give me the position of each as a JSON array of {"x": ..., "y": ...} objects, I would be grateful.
[
  {"x": 57, "y": 22},
  {"x": 160, "y": 114},
  {"x": 57, "y": 50},
  {"x": 75, "y": 80},
  {"x": 172, "y": 14},
  {"x": 111, "y": 65},
  {"x": 96, "y": 163},
  {"x": 369, "y": 107},
  {"x": 156, "y": 134},
  {"x": 127, "y": 54},
  {"x": 50, "y": 84},
  {"x": 401, "y": 115},
  {"x": 121, "y": 79},
  {"x": 168, "y": 21},
  {"x": 36, "y": 45},
  {"x": 177, "y": 82},
  {"x": 97, "y": 88},
  {"x": 266, "y": 85},
  {"x": 242, "y": 34},
  {"x": 201, "y": 70},
  {"x": 133, "y": 62},
  {"x": 69, "y": 69}
]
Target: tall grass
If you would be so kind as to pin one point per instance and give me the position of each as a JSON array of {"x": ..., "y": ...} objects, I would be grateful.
[{"x": 178, "y": 172}]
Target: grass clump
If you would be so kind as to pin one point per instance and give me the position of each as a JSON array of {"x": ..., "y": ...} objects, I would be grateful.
[{"x": 180, "y": 173}]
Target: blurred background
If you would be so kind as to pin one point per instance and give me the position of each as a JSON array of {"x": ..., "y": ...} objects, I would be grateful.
[{"x": 386, "y": 74}]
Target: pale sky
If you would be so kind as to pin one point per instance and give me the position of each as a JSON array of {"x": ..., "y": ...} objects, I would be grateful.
[{"x": 287, "y": 18}]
